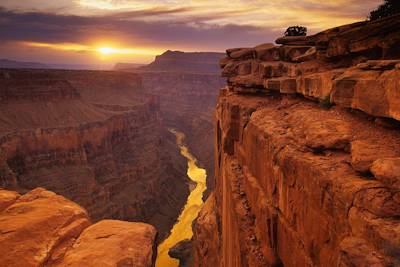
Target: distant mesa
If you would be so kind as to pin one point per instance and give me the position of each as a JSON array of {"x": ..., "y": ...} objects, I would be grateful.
[
  {"x": 14, "y": 64},
  {"x": 178, "y": 61},
  {"x": 11, "y": 64},
  {"x": 124, "y": 66}
]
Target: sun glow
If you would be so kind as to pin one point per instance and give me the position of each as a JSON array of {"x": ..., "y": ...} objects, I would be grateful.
[{"x": 105, "y": 51}]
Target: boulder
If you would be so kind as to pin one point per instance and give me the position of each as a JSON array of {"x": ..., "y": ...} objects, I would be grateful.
[
  {"x": 241, "y": 53},
  {"x": 364, "y": 153},
  {"x": 293, "y": 40},
  {"x": 387, "y": 170},
  {"x": 328, "y": 134},
  {"x": 112, "y": 243},
  {"x": 37, "y": 227}
]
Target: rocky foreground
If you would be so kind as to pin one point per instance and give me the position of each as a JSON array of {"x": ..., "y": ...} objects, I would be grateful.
[
  {"x": 42, "y": 228},
  {"x": 307, "y": 153}
]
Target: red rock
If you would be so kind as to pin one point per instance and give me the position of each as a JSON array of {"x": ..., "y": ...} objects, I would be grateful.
[
  {"x": 293, "y": 40},
  {"x": 241, "y": 53},
  {"x": 357, "y": 252},
  {"x": 374, "y": 92},
  {"x": 205, "y": 229},
  {"x": 310, "y": 54},
  {"x": 7, "y": 198},
  {"x": 266, "y": 52},
  {"x": 112, "y": 243},
  {"x": 328, "y": 134},
  {"x": 291, "y": 53},
  {"x": 364, "y": 153},
  {"x": 387, "y": 170},
  {"x": 224, "y": 61},
  {"x": 293, "y": 183},
  {"x": 37, "y": 226},
  {"x": 42, "y": 228}
]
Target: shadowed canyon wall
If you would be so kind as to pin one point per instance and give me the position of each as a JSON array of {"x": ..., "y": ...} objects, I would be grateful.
[
  {"x": 93, "y": 137},
  {"x": 307, "y": 153},
  {"x": 186, "y": 86}
]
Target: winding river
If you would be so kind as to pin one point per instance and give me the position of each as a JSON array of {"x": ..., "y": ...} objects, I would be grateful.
[{"x": 183, "y": 227}]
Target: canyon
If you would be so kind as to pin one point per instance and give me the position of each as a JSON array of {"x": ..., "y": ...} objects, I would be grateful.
[
  {"x": 95, "y": 138},
  {"x": 187, "y": 86},
  {"x": 307, "y": 148},
  {"x": 301, "y": 148}
]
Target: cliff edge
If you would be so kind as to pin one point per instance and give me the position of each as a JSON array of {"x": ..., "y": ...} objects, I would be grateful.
[
  {"x": 307, "y": 153},
  {"x": 42, "y": 228}
]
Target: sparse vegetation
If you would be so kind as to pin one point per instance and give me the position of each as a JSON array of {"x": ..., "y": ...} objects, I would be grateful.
[
  {"x": 388, "y": 8},
  {"x": 296, "y": 31}
]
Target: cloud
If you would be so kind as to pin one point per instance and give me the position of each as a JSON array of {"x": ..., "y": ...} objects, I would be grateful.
[
  {"x": 197, "y": 25},
  {"x": 53, "y": 28}
]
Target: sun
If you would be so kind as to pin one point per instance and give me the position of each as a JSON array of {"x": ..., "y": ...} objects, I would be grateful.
[{"x": 106, "y": 50}]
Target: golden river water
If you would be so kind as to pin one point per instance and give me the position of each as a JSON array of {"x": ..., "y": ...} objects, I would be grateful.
[{"x": 183, "y": 227}]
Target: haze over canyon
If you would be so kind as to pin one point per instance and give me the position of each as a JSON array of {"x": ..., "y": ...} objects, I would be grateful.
[{"x": 119, "y": 149}]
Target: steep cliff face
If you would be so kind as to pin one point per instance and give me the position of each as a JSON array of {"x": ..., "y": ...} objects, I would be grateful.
[
  {"x": 42, "y": 228},
  {"x": 187, "y": 85},
  {"x": 93, "y": 137},
  {"x": 307, "y": 146}
]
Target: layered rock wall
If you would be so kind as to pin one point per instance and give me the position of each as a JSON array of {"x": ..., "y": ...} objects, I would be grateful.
[
  {"x": 307, "y": 143},
  {"x": 93, "y": 137}
]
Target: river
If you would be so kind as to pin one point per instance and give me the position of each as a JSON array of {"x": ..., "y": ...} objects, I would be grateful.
[{"x": 183, "y": 227}]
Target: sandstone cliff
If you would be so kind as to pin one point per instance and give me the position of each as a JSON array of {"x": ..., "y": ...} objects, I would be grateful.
[
  {"x": 94, "y": 137},
  {"x": 307, "y": 153},
  {"x": 42, "y": 228}
]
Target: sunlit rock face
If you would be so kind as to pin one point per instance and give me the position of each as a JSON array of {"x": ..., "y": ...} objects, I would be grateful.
[
  {"x": 42, "y": 228},
  {"x": 306, "y": 145},
  {"x": 187, "y": 85},
  {"x": 93, "y": 137}
]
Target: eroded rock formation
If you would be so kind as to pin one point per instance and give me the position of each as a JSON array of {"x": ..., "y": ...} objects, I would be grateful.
[
  {"x": 307, "y": 147},
  {"x": 42, "y": 228},
  {"x": 94, "y": 137}
]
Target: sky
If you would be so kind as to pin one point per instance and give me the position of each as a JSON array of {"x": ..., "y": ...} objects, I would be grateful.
[{"x": 110, "y": 31}]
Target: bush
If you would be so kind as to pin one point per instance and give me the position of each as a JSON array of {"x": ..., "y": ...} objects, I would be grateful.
[
  {"x": 296, "y": 31},
  {"x": 388, "y": 8}
]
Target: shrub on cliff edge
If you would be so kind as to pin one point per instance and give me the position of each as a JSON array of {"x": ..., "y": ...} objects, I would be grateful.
[
  {"x": 388, "y": 8},
  {"x": 296, "y": 31}
]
